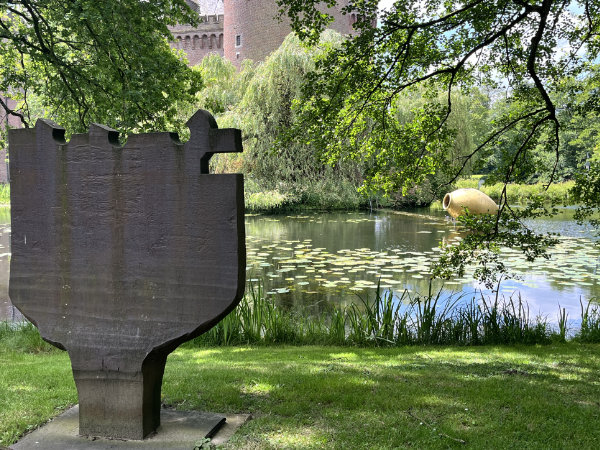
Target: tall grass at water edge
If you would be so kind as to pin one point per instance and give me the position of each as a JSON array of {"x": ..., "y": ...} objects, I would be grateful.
[
  {"x": 317, "y": 195},
  {"x": 559, "y": 193},
  {"x": 388, "y": 320},
  {"x": 384, "y": 320}
]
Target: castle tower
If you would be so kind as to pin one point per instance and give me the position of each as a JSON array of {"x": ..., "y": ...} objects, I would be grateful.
[
  {"x": 207, "y": 37},
  {"x": 252, "y": 31}
]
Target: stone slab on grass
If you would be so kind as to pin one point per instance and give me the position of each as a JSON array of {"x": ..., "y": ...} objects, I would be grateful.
[{"x": 178, "y": 430}]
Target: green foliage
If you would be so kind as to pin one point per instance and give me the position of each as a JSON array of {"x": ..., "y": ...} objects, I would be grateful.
[
  {"x": 259, "y": 100},
  {"x": 257, "y": 199},
  {"x": 427, "y": 47},
  {"x": 590, "y": 323},
  {"x": 481, "y": 247},
  {"x": 321, "y": 195},
  {"x": 223, "y": 86},
  {"x": 265, "y": 111},
  {"x": 418, "y": 397},
  {"x": 23, "y": 337},
  {"x": 354, "y": 103},
  {"x": 465, "y": 123},
  {"x": 387, "y": 320},
  {"x": 5, "y": 194},
  {"x": 556, "y": 193},
  {"x": 587, "y": 193},
  {"x": 89, "y": 61}
]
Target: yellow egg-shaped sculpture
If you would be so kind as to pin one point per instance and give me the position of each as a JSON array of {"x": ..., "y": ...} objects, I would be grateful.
[{"x": 474, "y": 200}]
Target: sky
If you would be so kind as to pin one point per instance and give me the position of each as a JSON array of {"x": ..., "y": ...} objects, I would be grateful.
[{"x": 385, "y": 4}]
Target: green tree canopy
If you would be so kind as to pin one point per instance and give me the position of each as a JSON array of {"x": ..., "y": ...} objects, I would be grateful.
[
  {"x": 85, "y": 61},
  {"x": 258, "y": 99},
  {"x": 520, "y": 50},
  {"x": 521, "y": 46}
]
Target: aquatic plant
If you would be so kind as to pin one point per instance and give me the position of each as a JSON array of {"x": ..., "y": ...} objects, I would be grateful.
[
  {"x": 590, "y": 323},
  {"x": 383, "y": 320},
  {"x": 306, "y": 267},
  {"x": 563, "y": 317},
  {"x": 390, "y": 320}
]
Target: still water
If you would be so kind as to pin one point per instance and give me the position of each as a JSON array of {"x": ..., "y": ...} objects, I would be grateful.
[
  {"x": 309, "y": 261},
  {"x": 7, "y": 311}
]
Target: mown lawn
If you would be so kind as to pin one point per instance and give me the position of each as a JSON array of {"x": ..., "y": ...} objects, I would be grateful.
[{"x": 340, "y": 397}]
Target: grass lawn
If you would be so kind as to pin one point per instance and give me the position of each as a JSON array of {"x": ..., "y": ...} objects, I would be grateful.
[{"x": 343, "y": 397}]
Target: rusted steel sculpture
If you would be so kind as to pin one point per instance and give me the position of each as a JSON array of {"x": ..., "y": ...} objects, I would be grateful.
[{"x": 120, "y": 254}]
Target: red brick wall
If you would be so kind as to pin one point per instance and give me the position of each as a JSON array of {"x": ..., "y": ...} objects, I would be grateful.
[
  {"x": 200, "y": 41},
  {"x": 13, "y": 121},
  {"x": 3, "y": 167},
  {"x": 260, "y": 32}
]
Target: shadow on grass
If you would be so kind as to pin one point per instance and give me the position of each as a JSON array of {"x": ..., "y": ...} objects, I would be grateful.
[{"x": 425, "y": 397}]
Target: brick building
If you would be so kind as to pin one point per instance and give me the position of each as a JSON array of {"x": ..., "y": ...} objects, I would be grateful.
[
  {"x": 207, "y": 37},
  {"x": 236, "y": 29},
  {"x": 241, "y": 29}
]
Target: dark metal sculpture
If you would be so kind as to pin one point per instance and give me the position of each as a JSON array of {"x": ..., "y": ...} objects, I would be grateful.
[{"x": 120, "y": 254}]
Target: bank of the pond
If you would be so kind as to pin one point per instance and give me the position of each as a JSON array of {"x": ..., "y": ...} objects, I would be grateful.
[
  {"x": 331, "y": 196},
  {"x": 322, "y": 195},
  {"x": 388, "y": 320},
  {"x": 558, "y": 193},
  {"x": 326, "y": 196},
  {"x": 341, "y": 397}
]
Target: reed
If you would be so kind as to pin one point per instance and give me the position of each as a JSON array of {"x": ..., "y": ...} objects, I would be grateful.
[
  {"x": 382, "y": 320},
  {"x": 389, "y": 320},
  {"x": 337, "y": 327},
  {"x": 559, "y": 193},
  {"x": 431, "y": 324},
  {"x": 563, "y": 318},
  {"x": 590, "y": 323}
]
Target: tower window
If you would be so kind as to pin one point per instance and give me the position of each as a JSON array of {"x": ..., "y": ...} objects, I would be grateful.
[{"x": 238, "y": 40}]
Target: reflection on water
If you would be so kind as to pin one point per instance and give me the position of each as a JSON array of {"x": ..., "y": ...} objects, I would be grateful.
[
  {"x": 310, "y": 261},
  {"x": 316, "y": 259},
  {"x": 7, "y": 310}
]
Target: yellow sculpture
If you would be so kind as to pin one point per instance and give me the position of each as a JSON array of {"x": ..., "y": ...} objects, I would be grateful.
[{"x": 474, "y": 200}]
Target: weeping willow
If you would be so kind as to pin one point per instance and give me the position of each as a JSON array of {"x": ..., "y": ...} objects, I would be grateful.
[{"x": 261, "y": 100}]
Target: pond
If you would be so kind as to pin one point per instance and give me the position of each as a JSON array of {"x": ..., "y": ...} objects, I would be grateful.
[
  {"x": 309, "y": 261},
  {"x": 7, "y": 311}
]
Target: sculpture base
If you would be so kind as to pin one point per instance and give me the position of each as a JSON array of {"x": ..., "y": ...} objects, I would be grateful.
[
  {"x": 178, "y": 430},
  {"x": 119, "y": 405}
]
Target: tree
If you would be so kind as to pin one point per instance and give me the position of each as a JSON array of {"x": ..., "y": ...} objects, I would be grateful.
[
  {"x": 88, "y": 61},
  {"x": 523, "y": 48},
  {"x": 259, "y": 99},
  {"x": 466, "y": 120}
]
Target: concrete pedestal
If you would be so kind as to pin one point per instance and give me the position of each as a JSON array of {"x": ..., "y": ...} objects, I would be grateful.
[{"x": 178, "y": 430}]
